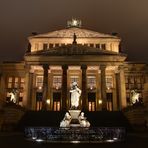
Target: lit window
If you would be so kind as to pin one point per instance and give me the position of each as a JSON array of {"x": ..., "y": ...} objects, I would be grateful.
[
  {"x": 36, "y": 46},
  {"x": 109, "y": 82},
  {"x": 91, "y": 82},
  {"x": 57, "y": 82},
  {"x": 21, "y": 95},
  {"x": 10, "y": 82},
  {"x": 56, "y": 106},
  {"x": 91, "y": 106},
  {"x": 22, "y": 83},
  {"x": 16, "y": 82},
  {"x": 74, "y": 79},
  {"x": 39, "y": 82}
]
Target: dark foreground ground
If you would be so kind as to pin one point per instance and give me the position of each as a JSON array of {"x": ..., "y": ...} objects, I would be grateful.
[{"x": 17, "y": 140}]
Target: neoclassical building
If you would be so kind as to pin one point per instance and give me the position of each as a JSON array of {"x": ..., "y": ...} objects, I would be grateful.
[{"x": 55, "y": 59}]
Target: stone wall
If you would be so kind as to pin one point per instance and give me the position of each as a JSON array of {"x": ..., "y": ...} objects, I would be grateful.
[{"x": 10, "y": 116}]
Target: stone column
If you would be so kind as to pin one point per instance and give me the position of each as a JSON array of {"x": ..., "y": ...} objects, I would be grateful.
[
  {"x": 49, "y": 90},
  {"x": 103, "y": 87},
  {"x": 45, "y": 86},
  {"x": 2, "y": 89},
  {"x": 84, "y": 94},
  {"x": 145, "y": 91},
  {"x": 27, "y": 101},
  {"x": 64, "y": 87},
  {"x": 121, "y": 87}
]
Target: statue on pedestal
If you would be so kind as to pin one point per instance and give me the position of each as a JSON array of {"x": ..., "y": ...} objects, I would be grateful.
[{"x": 75, "y": 95}]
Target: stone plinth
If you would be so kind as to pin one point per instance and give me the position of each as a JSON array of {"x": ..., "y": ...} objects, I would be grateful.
[{"x": 74, "y": 113}]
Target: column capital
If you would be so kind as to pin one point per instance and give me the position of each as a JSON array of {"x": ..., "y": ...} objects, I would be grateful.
[
  {"x": 83, "y": 66},
  {"x": 64, "y": 66},
  {"x": 45, "y": 66},
  {"x": 102, "y": 66},
  {"x": 120, "y": 67}
]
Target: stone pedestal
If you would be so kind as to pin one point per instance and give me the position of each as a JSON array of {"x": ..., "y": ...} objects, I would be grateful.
[
  {"x": 74, "y": 113},
  {"x": 74, "y": 118}
]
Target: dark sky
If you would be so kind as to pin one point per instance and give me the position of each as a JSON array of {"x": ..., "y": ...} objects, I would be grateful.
[{"x": 19, "y": 18}]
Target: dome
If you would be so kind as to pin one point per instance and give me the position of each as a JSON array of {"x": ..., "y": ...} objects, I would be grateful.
[{"x": 69, "y": 32}]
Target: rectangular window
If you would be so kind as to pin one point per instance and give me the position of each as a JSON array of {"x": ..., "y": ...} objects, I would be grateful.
[
  {"x": 45, "y": 46},
  {"x": 56, "y": 45},
  {"x": 91, "y": 106},
  {"x": 63, "y": 44},
  {"x": 10, "y": 82},
  {"x": 91, "y": 45},
  {"x": 57, "y": 82},
  {"x": 91, "y": 82},
  {"x": 74, "y": 79},
  {"x": 50, "y": 45},
  {"x": 16, "y": 82},
  {"x": 109, "y": 82},
  {"x": 103, "y": 46},
  {"x": 56, "y": 106},
  {"x": 21, "y": 95},
  {"x": 85, "y": 44},
  {"x": 22, "y": 85},
  {"x": 98, "y": 46},
  {"x": 39, "y": 82},
  {"x": 36, "y": 46}
]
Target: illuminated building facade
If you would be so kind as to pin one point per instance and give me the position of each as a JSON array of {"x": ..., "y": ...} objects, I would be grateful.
[{"x": 56, "y": 59}]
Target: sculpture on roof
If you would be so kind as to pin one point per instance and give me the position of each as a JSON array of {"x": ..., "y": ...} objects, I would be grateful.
[
  {"x": 74, "y": 23},
  {"x": 74, "y": 39}
]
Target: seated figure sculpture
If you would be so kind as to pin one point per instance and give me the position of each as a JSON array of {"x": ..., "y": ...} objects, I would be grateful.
[
  {"x": 66, "y": 121},
  {"x": 82, "y": 120},
  {"x": 75, "y": 95}
]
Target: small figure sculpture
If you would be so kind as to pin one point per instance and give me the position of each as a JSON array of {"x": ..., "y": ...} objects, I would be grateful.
[
  {"x": 82, "y": 120},
  {"x": 74, "y": 39},
  {"x": 66, "y": 121},
  {"x": 75, "y": 95},
  {"x": 134, "y": 97}
]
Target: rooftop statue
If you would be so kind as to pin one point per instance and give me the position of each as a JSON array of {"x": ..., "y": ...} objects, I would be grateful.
[{"x": 75, "y": 95}]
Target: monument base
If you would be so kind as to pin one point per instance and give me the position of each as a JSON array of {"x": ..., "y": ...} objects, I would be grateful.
[
  {"x": 74, "y": 118},
  {"x": 74, "y": 113}
]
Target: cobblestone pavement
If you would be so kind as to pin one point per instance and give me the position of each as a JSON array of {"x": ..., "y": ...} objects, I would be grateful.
[{"x": 17, "y": 140}]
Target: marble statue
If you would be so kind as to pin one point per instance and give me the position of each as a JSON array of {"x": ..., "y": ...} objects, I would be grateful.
[
  {"x": 66, "y": 121},
  {"x": 82, "y": 120},
  {"x": 134, "y": 97},
  {"x": 13, "y": 97},
  {"x": 75, "y": 95}
]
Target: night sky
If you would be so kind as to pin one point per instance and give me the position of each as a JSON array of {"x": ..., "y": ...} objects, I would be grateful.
[{"x": 19, "y": 18}]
